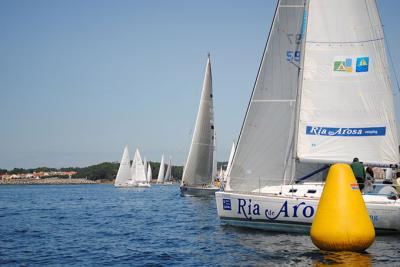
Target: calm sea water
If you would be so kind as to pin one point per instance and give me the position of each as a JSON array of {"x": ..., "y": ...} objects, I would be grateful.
[{"x": 99, "y": 225}]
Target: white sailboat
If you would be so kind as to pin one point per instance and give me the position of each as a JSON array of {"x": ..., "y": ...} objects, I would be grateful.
[
  {"x": 138, "y": 174},
  {"x": 160, "y": 177},
  {"x": 149, "y": 173},
  {"x": 124, "y": 174},
  {"x": 168, "y": 173},
  {"x": 322, "y": 95},
  {"x": 199, "y": 171}
]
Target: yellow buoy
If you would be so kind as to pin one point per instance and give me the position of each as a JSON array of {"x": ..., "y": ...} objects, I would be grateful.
[{"x": 341, "y": 222}]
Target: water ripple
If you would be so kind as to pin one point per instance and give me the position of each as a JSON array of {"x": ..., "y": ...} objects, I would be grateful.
[{"x": 99, "y": 225}]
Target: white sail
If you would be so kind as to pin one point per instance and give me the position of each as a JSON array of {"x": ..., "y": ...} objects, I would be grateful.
[
  {"x": 199, "y": 165},
  {"x": 160, "y": 178},
  {"x": 168, "y": 172},
  {"x": 138, "y": 176},
  {"x": 228, "y": 167},
  {"x": 124, "y": 174},
  {"x": 149, "y": 173},
  {"x": 264, "y": 150},
  {"x": 145, "y": 165},
  {"x": 346, "y": 96}
]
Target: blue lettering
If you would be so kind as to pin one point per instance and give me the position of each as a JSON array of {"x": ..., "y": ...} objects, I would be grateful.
[
  {"x": 241, "y": 205},
  {"x": 310, "y": 214}
]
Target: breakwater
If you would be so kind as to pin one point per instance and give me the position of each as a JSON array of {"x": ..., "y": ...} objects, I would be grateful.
[{"x": 46, "y": 181}]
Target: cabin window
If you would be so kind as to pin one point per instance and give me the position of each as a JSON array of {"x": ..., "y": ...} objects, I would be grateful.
[
  {"x": 311, "y": 191},
  {"x": 292, "y": 190},
  {"x": 211, "y": 95},
  {"x": 212, "y": 127}
]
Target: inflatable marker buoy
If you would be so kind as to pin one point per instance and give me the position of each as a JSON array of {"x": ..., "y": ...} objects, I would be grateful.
[{"x": 341, "y": 222}]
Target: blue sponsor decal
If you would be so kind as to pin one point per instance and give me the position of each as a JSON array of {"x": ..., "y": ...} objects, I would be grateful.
[
  {"x": 362, "y": 64},
  {"x": 226, "y": 204},
  {"x": 327, "y": 131}
]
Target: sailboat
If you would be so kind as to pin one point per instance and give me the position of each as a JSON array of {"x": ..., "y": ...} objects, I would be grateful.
[
  {"x": 149, "y": 173},
  {"x": 138, "y": 174},
  {"x": 322, "y": 95},
  {"x": 124, "y": 173},
  {"x": 160, "y": 177},
  {"x": 168, "y": 175},
  {"x": 199, "y": 169}
]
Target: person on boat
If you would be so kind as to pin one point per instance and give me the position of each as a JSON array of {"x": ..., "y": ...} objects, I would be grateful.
[{"x": 359, "y": 172}]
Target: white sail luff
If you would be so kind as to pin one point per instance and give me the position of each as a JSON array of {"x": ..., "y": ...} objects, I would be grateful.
[{"x": 123, "y": 175}]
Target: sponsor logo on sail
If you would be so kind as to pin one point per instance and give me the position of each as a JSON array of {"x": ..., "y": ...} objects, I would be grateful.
[
  {"x": 328, "y": 131},
  {"x": 362, "y": 64},
  {"x": 226, "y": 204},
  {"x": 343, "y": 65},
  {"x": 351, "y": 64}
]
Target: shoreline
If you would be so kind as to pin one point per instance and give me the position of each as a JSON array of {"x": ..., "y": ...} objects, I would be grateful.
[{"x": 48, "y": 181}]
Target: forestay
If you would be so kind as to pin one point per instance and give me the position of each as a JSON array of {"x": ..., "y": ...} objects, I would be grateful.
[
  {"x": 199, "y": 165},
  {"x": 264, "y": 150},
  {"x": 346, "y": 98}
]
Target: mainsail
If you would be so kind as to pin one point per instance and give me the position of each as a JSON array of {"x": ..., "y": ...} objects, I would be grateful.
[
  {"x": 199, "y": 164},
  {"x": 167, "y": 177},
  {"x": 347, "y": 107},
  {"x": 124, "y": 173},
  {"x": 160, "y": 178},
  {"x": 264, "y": 149}
]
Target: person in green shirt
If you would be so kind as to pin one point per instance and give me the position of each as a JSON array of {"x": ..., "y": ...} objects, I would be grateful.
[{"x": 359, "y": 172}]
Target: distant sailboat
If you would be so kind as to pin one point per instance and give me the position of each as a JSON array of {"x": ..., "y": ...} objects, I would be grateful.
[
  {"x": 149, "y": 173},
  {"x": 168, "y": 174},
  {"x": 160, "y": 178},
  {"x": 124, "y": 173},
  {"x": 200, "y": 167},
  {"x": 138, "y": 174}
]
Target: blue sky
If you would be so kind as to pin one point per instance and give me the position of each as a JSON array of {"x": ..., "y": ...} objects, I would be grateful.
[{"x": 80, "y": 79}]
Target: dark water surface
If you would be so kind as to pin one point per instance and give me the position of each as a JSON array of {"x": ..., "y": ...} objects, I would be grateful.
[{"x": 99, "y": 225}]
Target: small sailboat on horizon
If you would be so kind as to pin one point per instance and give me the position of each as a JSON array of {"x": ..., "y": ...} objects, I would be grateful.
[
  {"x": 124, "y": 173},
  {"x": 138, "y": 173}
]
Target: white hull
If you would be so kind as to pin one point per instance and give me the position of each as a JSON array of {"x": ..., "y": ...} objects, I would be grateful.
[
  {"x": 198, "y": 191},
  {"x": 133, "y": 185},
  {"x": 294, "y": 212}
]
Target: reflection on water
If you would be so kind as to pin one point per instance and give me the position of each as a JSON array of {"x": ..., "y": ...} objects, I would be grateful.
[
  {"x": 344, "y": 258},
  {"x": 99, "y": 225}
]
